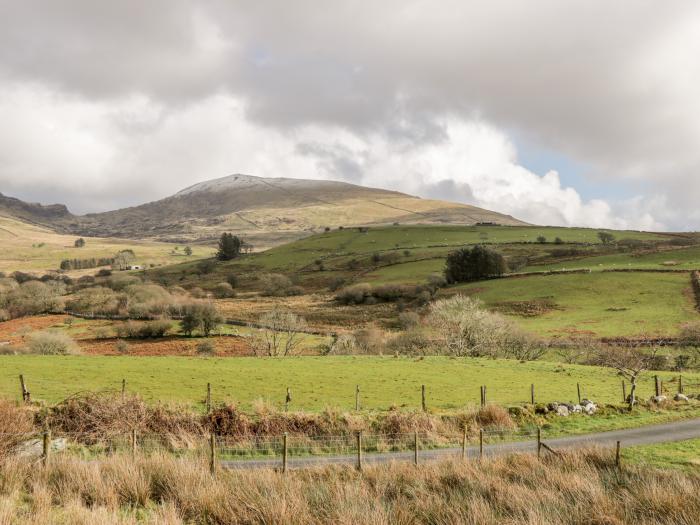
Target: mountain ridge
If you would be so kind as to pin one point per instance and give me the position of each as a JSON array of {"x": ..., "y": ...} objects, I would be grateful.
[{"x": 268, "y": 210}]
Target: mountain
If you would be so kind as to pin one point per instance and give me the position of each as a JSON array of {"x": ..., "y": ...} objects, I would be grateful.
[
  {"x": 32, "y": 212},
  {"x": 268, "y": 211}
]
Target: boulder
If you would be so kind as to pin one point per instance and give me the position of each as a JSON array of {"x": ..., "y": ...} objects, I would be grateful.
[
  {"x": 680, "y": 397},
  {"x": 590, "y": 408},
  {"x": 34, "y": 448},
  {"x": 562, "y": 410},
  {"x": 576, "y": 409},
  {"x": 658, "y": 399}
]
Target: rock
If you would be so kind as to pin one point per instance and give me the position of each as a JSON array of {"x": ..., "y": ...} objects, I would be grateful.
[
  {"x": 680, "y": 397},
  {"x": 576, "y": 409},
  {"x": 541, "y": 409},
  {"x": 552, "y": 407},
  {"x": 658, "y": 399},
  {"x": 562, "y": 410},
  {"x": 34, "y": 447},
  {"x": 590, "y": 408}
]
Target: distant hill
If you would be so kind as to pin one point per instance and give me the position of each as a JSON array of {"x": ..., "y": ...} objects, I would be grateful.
[
  {"x": 266, "y": 211},
  {"x": 34, "y": 213}
]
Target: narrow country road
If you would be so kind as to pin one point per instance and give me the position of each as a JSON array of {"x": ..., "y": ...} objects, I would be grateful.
[{"x": 667, "y": 432}]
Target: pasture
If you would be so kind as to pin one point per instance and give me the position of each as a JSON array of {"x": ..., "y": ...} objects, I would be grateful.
[
  {"x": 599, "y": 304},
  {"x": 320, "y": 382}
]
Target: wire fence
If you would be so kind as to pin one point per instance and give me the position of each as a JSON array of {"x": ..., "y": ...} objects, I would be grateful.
[{"x": 270, "y": 450}]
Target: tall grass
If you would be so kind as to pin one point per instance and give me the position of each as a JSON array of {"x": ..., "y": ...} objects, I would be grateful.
[{"x": 572, "y": 489}]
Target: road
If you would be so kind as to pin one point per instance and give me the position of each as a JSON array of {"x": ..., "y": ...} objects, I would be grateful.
[{"x": 647, "y": 435}]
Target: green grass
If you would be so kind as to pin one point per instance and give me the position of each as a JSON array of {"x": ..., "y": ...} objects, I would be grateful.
[
  {"x": 683, "y": 455},
  {"x": 318, "y": 382},
  {"x": 678, "y": 259},
  {"x": 603, "y": 304}
]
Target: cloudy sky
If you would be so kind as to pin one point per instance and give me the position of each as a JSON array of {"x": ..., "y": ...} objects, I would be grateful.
[{"x": 575, "y": 113}]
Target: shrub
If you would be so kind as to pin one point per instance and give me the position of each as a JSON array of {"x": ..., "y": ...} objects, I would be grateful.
[
  {"x": 410, "y": 342},
  {"x": 96, "y": 300},
  {"x": 690, "y": 334},
  {"x": 32, "y": 298},
  {"x": 119, "y": 282},
  {"x": 52, "y": 343},
  {"x": 467, "y": 329},
  {"x": 336, "y": 283},
  {"x": 143, "y": 330},
  {"x": 409, "y": 319},
  {"x": 541, "y": 239},
  {"x": 224, "y": 291},
  {"x": 355, "y": 294},
  {"x": 606, "y": 237},
  {"x": 369, "y": 340},
  {"x": 232, "y": 279},
  {"x": 472, "y": 264},
  {"x": 200, "y": 316},
  {"x": 229, "y": 247},
  {"x": 278, "y": 285},
  {"x": 206, "y": 266},
  {"x": 148, "y": 300},
  {"x": 205, "y": 348},
  {"x": 558, "y": 240},
  {"x": 122, "y": 347}
]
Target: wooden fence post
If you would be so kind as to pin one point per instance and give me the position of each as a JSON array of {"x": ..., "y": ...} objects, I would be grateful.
[
  {"x": 46, "y": 447},
  {"x": 359, "y": 450},
  {"x": 287, "y": 399},
  {"x": 532, "y": 393},
  {"x": 415, "y": 448},
  {"x": 26, "y": 396},
  {"x": 357, "y": 397},
  {"x": 464, "y": 443},
  {"x": 133, "y": 442},
  {"x": 680, "y": 384},
  {"x": 617, "y": 454},
  {"x": 208, "y": 402},
  {"x": 212, "y": 453},
  {"x": 624, "y": 392},
  {"x": 485, "y": 398},
  {"x": 284, "y": 453},
  {"x": 422, "y": 396},
  {"x": 123, "y": 389},
  {"x": 657, "y": 385},
  {"x": 481, "y": 443},
  {"x": 578, "y": 391},
  {"x": 539, "y": 442}
]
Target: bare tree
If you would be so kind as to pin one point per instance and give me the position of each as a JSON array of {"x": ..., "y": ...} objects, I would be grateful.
[
  {"x": 630, "y": 360},
  {"x": 280, "y": 334}
]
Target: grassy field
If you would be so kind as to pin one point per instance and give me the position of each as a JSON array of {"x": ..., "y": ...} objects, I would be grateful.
[
  {"x": 603, "y": 304},
  {"x": 681, "y": 454},
  {"x": 34, "y": 249},
  {"x": 319, "y": 382}
]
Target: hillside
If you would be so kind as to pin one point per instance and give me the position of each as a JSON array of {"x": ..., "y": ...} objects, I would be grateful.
[
  {"x": 33, "y": 212},
  {"x": 266, "y": 211}
]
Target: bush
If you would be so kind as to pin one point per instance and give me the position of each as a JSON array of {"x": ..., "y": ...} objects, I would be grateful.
[
  {"x": 200, "y": 316},
  {"x": 472, "y": 264},
  {"x": 206, "y": 266},
  {"x": 119, "y": 282},
  {"x": 336, "y": 283},
  {"x": 410, "y": 342},
  {"x": 143, "y": 330},
  {"x": 278, "y": 285},
  {"x": 232, "y": 279},
  {"x": 52, "y": 343},
  {"x": 224, "y": 291},
  {"x": 369, "y": 340},
  {"x": 32, "y": 298},
  {"x": 279, "y": 335},
  {"x": 355, "y": 294},
  {"x": 409, "y": 319},
  {"x": 96, "y": 300},
  {"x": 690, "y": 334},
  {"x": 205, "y": 348},
  {"x": 122, "y": 347},
  {"x": 467, "y": 329}
]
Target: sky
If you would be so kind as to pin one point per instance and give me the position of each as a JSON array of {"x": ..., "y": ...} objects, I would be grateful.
[{"x": 583, "y": 112}]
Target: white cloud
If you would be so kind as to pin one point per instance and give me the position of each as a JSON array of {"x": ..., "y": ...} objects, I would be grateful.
[{"x": 105, "y": 154}]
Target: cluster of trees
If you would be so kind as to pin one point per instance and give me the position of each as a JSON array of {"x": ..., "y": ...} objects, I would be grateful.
[
  {"x": 230, "y": 247},
  {"x": 82, "y": 264},
  {"x": 473, "y": 264},
  {"x": 29, "y": 298}
]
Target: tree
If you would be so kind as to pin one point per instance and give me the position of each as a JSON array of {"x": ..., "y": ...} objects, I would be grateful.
[
  {"x": 541, "y": 239},
  {"x": 606, "y": 237},
  {"x": 123, "y": 259},
  {"x": 188, "y": 251},
  {"x": 229, "y": 247},
  {"x": 79, "y": 243},
  {"x": 200, "y": 316},
  {"x": 279, "y": 335},
  {"x": 558, "y": 240},
  {"x": 472, "y": 264},
  {"x": 630, "y": 361}
]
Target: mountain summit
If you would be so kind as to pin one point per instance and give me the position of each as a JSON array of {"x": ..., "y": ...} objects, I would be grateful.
[{"x": 268, "y": 211}]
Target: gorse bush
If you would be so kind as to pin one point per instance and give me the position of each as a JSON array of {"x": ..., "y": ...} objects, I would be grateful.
[{"x": 52, "y": 343}]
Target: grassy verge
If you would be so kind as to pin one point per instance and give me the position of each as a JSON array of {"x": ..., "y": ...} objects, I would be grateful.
[{"x": 683, "y": 455}]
